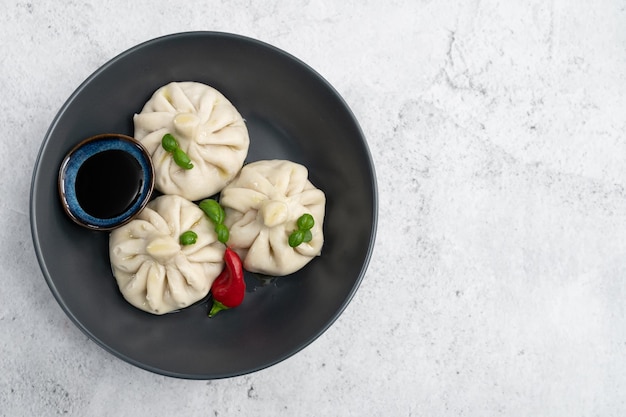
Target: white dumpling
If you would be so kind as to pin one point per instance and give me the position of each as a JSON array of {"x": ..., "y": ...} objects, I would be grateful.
[
  {"x": 207, "y": 127},
  {"x": 262, "y": 205},
  {"x": 154, "y": 272}
]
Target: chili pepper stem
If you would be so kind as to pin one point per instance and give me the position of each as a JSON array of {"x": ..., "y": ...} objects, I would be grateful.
[{"x": 216, "y": 308}]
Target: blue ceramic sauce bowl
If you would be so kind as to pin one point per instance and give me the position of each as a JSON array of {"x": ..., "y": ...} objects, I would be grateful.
[{"x": 105, "y": 180}]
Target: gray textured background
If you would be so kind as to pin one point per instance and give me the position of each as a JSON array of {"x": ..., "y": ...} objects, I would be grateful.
[{"x": 498, "y": 130}]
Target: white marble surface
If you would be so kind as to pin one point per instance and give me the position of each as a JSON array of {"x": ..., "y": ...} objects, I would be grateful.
[{"x": 496, "y": 288}]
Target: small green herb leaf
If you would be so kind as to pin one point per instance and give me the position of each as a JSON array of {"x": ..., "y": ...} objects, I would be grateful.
[
  {"x": 169, "y": 143},
  {"x": 182, "y": 159},
  {"x": 303, "y": 233},
  {"x": 222, "y": 232},
  {"x": 216, "y": 214},
  {"x": 188, "y": 238},
  {"x": 306, "y": 222},
  {"x": 213, "y": 210},
  {"x": 295, "y": 238}
]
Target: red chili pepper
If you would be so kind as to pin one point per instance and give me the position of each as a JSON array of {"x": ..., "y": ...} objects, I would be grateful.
[{"x": 229, "y": 287}]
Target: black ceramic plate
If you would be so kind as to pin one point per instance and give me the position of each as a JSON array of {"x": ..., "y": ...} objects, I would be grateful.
[{"x": 292, "y": 113}]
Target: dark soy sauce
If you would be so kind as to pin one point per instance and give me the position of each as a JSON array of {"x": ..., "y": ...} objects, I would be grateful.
[{"x": 108, "y": 183}]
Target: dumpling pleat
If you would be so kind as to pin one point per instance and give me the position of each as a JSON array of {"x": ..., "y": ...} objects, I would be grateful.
[
  {"x": 179, "y": 99},
  {"x": 190, "y": 274},
  {"x": 253, "y": 180},
  {"x": 161, "y": 103},
  {"x": 311, "y": 197},
  {"x": 129, "y": 255},
  {"x": 149, "y": 122},
  {"x": 155, "y": 290},
  {"x": 176, "y": 287},
  {"x": 207, "y": 102},
  {"x": 136, "y": 285},
  {"x": 219, "y": 157},
  {"x": 224, "y": 115},
  {"x": 153, "y": 217},
  {"x": 297, "y": 179},
  {"x": 244, "y": 230},
  {"x": 204, "y": 254},
  {"x": 260, "y": 257}
]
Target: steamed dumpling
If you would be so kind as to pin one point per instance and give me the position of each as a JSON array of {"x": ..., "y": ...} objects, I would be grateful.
[
  {"x": 262, "y": 205},
  {"x": 153, "y": 270},
  {"x": 207, "y": 127}
]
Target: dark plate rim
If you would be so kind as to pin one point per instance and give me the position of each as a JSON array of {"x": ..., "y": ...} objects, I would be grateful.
[{"x": 46, "y": 143}]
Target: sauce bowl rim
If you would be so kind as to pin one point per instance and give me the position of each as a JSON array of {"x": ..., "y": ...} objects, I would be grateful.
[{"x": 145, "y": 193}]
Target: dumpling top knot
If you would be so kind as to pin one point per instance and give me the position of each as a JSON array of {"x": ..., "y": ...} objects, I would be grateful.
[
  {"x": 186, "y": 125},
  {"x": 274, "y": 213},
  {"x": 162, "y": 248}
]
